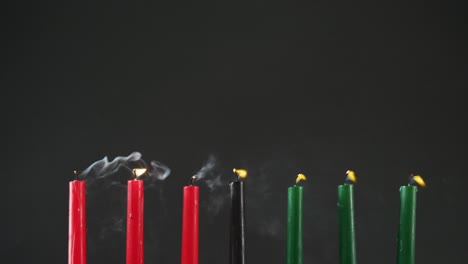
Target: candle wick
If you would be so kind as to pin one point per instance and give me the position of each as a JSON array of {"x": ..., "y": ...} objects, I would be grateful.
[
  {"x": 192, "y": 179},
  {"x": 76, "y": 174}
]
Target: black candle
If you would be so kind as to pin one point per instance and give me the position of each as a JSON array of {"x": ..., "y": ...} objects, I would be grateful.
[{"x": 237, "y": 231}]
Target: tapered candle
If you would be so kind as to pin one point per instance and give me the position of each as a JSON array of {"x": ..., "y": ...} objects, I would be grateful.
[
  {"x": 135, "y": 200},
  {"x": 407, "y": 226},
  {"x": 77, "y": 222},
  {"x": 189, "y": 250},
  {"x": 237, "y": 227},
  {"x": 347, "y": 244},
  {"x": 294, "y": 225}
]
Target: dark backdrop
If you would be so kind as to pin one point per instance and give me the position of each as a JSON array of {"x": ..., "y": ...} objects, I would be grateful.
[{"x": 277, "y": 87}]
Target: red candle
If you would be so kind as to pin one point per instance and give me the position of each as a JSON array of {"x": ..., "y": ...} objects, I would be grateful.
[
  {"x": 189, "y": 253},
  {"x": 135, "y": 222},
  {"x": 77, "y": 223}
]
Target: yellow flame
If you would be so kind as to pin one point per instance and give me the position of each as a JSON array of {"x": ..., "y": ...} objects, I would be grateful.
[
  {"x": 350, "y": 175},
  {"x": 139, "y": 171},
  {"x": 300, "y": 177},
  {"x": 240, "y": 172},
  {"x": 419, "y": 180}
]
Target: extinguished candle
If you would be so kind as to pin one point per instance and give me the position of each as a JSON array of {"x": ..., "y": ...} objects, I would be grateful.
[
  {"x": 407, "y": 226},
  {"x": 77, "y": 222},
  {"x": 347, "y": 244},
  {"x": 294, "y": 224},
  {"x": 237, "y": 227},
  {"x": 189, "y": 250},
  {"x": 135, "y": 200}
]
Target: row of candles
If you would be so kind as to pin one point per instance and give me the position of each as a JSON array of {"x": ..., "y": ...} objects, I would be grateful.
[{"x": 190, "y": 221}]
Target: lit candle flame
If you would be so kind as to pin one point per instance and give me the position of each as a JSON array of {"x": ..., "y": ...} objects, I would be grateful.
[
  {"x": 139, "y": 171},
  {"x": 240, "y": 172},
  {"x": 351, "y": 176},
  {"x": 300, "y": 177},
  {"x": 418, "y": 180}
]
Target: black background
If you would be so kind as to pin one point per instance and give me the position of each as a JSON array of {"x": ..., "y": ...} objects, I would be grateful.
[{"x": 277, "y": 87}]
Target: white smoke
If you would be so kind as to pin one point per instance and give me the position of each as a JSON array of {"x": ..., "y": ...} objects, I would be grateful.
[
  {"x": 159, "y": 170},
  {"x": 214, "y": 183},
  {"x": 103, "y": 168},
  {"x": 208, "y": 168},
  {"x": 106, "y": 182},
  {"x": 121, "y": 166},
  {"x": 211, "y": 175}
]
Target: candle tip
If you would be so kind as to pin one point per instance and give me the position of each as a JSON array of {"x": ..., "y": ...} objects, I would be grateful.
[
  {"x": 417, "y": 180},
  {"x": 137, "y": 172},
  {"x": 241, "y": 173},
  {"x": 300, "y": 177},
  {"x": 192, "y": 179},
  {"x": 76, "y": 174},
  {"x": 351, "y": 176}
]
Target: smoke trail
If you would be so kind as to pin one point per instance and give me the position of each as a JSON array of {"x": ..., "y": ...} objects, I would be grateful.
[
  {"x": 208, "y": 168},
  {"x": 117, "y": 171},
  {"x": 103, "y": 168},
  {"x": 213, "y": 183},
  {"x": 156, "y": 172},
  {"x": 159, "y": 171},
  {"x": 211, "y": 175},
  {"x": 106, "y": 182}
]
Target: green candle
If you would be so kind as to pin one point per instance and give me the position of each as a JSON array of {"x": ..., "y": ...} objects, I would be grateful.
[
  {"x": 294, "y": 232},
  {"x": 347, "y": 244},
  {"x": 407, "y": 227}
]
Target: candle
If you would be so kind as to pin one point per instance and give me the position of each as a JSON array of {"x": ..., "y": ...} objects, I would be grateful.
[
  {"x": 407, "y": 227},
  {"x": 294, "y": 226},
  {"x": 135, "y": 197},
  {"x": 77, "y": 222},
  {"x": 237, "y": 231},
  {"x": 347, "y": 244},
  {"x": 189, "y": 253}
]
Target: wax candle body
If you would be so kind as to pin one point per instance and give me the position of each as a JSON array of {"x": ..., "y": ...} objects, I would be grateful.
[
  {"x": 407, "y": 227},
  {"x": 237, "y": 230},
  {"x": 189, "y": 253},
  {"x": 77, "y": 223},
  {"x": 135, "y": 222},
  {"x": 294, "y": 231},
  {"x": 347, "y": 243}
]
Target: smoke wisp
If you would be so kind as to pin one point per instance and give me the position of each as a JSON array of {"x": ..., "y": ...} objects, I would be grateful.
[
  {"x": 211, "y": 175},
  {"x": 117, "y": 171},
  {"x": 106, "y": 182}
]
